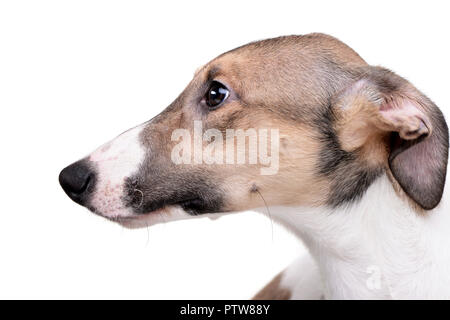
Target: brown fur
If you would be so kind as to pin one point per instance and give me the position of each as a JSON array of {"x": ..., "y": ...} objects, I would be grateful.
[
  {"x": 269, "y": 97},
  {"x": 273, "y": 291},
  {"x": 334, "y": 142}
]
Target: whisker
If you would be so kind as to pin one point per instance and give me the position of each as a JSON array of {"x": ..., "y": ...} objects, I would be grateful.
[
  {"x": 267, "y": 208},
  {"x": 148, "y": 235}
]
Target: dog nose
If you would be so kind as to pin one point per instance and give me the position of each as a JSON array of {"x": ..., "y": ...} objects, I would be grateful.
[{"x": 77, "y": 180}]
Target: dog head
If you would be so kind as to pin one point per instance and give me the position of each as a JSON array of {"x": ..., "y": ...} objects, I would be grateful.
[{"x": 291, "y": 121}]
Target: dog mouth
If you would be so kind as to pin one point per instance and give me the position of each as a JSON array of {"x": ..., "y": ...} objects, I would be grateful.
[
  {"x": 193, "y": 205},
  {"x": 143, "y": 199},
  {"x": 139, "y": 210},
  {"x": 131, "y": 220}
]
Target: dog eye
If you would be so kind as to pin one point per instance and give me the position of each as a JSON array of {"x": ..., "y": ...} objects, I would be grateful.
[{"x": 217, "y": 93}]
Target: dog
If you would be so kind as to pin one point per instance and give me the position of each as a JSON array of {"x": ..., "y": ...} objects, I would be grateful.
[{"x": 362, "y": 160}]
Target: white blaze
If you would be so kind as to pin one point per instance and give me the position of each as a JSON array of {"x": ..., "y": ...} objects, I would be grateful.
[{"x": 116, "y": 161}]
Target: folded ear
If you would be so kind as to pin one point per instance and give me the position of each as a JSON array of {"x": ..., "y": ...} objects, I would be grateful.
[{"x": 385, "y": 112}]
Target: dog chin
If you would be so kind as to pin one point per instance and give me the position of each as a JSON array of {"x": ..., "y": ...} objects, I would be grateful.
[{"x": 144, "y": 220}]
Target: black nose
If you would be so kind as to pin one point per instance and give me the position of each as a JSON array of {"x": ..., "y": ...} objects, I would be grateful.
[{"x": 78, "y": 181}]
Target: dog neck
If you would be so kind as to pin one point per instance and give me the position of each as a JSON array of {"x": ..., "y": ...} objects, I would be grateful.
[{"x": 376, "y": 248}]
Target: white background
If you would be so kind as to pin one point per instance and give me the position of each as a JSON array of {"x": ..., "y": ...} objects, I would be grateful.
[{"x": 74, "y": 74}]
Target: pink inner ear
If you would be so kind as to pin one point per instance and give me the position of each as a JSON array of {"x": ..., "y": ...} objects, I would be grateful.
[{"x": 404, "y": 117}]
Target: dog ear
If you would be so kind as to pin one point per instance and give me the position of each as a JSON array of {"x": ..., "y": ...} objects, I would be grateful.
[{"x": 383, "y": 109}]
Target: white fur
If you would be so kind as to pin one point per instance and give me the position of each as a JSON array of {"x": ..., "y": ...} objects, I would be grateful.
[
  {"x": 377, "y": 248},
  {"x": 115, "y": 161},
  {"x": 302, "y": 278},
  {"x": 167, "y": 214}
]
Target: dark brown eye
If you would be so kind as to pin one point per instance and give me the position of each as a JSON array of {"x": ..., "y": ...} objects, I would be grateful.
[{"x": 217, "y": 93}]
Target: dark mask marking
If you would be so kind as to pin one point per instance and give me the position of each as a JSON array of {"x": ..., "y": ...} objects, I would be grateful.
[{"x": 349, "y": 179}]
